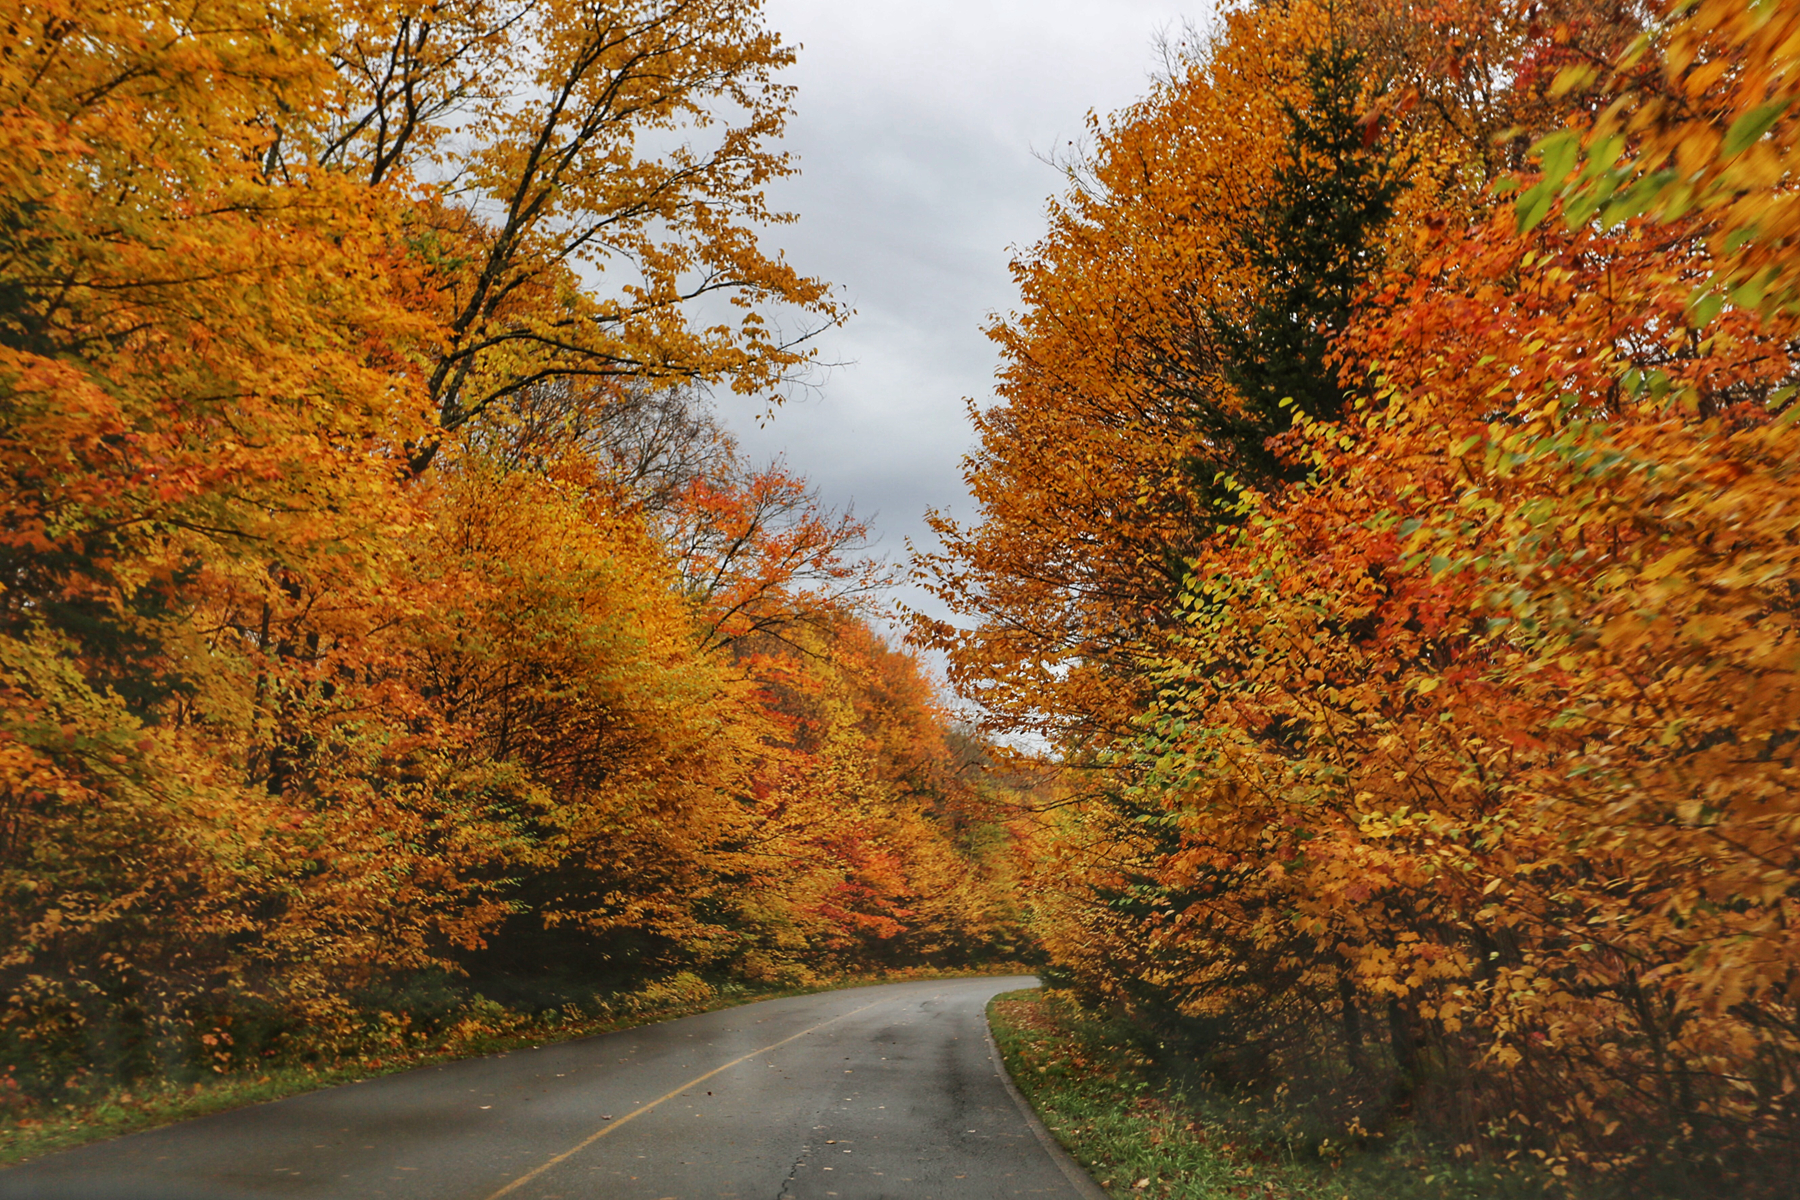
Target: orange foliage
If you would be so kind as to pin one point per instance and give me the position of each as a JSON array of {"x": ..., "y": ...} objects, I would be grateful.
[
  {"x": 857, "y": 800},
  {"x": 370, "y": 604},
  {"x": 1457, "y": 777}
]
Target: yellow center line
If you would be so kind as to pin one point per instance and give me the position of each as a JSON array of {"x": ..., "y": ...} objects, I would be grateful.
[{"x": 522, "y": 1180}]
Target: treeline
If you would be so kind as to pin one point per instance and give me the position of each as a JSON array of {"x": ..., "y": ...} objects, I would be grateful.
[
  {"x": 1392, "y": 519},
  {"x": 383, "y": 618}
]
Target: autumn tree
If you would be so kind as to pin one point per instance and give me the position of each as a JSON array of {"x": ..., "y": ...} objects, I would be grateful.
[
  {"x": 1164, "y": 321},
  {"x": 204, "y": 367},
  {"x": 852, "y": 790},
  {"x": 754, "y": 549},
  {"x": 1087, "y": 507},
  {"x": 588, "y": 172}
]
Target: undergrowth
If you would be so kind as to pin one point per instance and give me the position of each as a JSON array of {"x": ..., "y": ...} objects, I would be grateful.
[{"x": 1145, "y": 1128}]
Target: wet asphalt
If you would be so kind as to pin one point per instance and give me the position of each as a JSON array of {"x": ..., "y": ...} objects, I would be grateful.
[{"x": 878, "y": 1093}]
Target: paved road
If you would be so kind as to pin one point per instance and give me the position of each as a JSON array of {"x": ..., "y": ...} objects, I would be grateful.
[{"x": 888, "y": 1092}]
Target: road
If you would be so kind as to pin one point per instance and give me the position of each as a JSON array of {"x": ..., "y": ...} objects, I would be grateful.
[{"x": 877, "y": 1093}]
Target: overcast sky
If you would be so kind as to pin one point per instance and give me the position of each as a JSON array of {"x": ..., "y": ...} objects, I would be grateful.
[{"x": 918, "y": 127}]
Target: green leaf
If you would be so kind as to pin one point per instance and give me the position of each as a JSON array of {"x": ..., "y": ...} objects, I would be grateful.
[
  {"x": 1752, "y": 125},
  {"x": 1734, "y": 241},
  {"x": 1675, "y": 202},
  {"x": 1749, "y": 295},
  {"x": 1570, "y": 78},
  {"x": 1559, "y": 151},
  {"x": 1580, "y": 207},
  {"x": 1636, "y": 199},
  {"x": 1601, "y": 157},
  {"x": 1533, "y": 206},
  {"x": 1701, "y": 313}
]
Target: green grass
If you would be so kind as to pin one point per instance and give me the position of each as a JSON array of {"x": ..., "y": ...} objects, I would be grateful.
[
  {"x": 1141, "y": 1133},
  {"x": 36, "y": 1132}
]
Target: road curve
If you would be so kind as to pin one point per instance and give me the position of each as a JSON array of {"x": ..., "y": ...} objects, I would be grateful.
[{"x": 876, "y": 1093}]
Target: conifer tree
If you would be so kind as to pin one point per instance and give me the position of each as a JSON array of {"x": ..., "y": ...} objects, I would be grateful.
[{"x": 1310, "y": 245}]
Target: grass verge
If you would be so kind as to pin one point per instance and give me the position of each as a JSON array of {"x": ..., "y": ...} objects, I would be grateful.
[
  {"x": 1142, "y": 1132},
  {"x": 34, "y": 1133}
]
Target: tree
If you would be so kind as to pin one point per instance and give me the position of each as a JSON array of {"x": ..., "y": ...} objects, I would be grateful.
[
  {"x": 754, "y": 550},
  {"x": 1164, "y": 320},
  {"x": 1087, "y": 507},
  {"x": 583, "y": 188},
  {"x": 1312, "y": 243}
]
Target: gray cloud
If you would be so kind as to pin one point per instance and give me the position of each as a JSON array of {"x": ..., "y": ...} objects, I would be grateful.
[{"x": 918, "y": 128}]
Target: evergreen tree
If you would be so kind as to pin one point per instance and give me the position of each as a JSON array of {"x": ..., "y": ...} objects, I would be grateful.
[{"x": 1312, "y": 245}]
